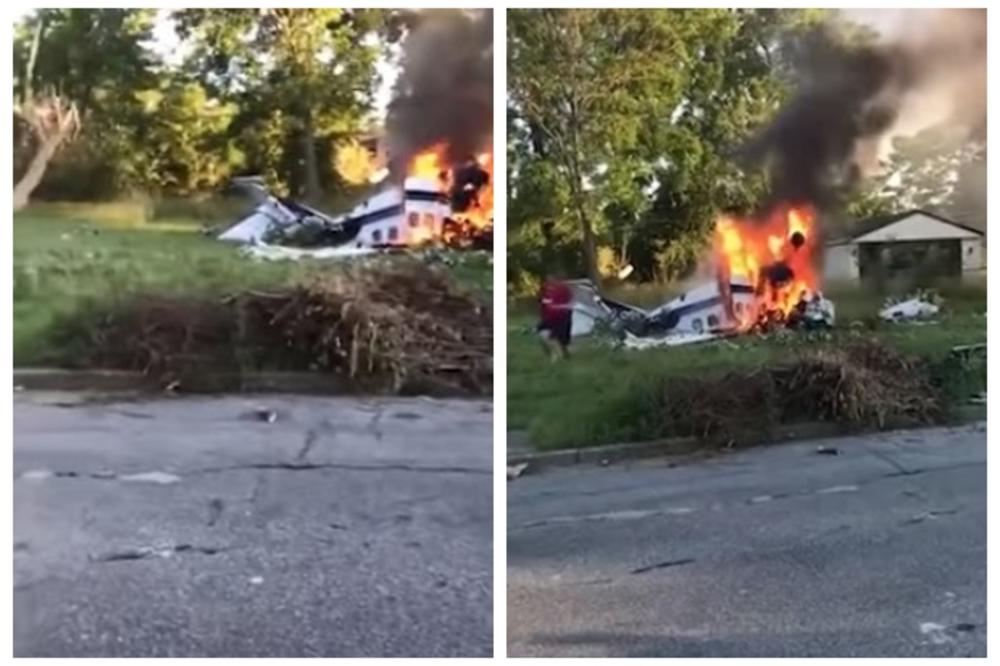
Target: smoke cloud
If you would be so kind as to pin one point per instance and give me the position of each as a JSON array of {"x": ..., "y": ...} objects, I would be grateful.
[
  {"x": 444, "y": 92},
  {"x": 853, "y": 96}
]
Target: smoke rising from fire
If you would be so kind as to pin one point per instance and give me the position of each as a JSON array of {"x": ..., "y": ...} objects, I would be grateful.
[
  {"x": 852, "y": 97},
  {"x": 444, "y": 93}
]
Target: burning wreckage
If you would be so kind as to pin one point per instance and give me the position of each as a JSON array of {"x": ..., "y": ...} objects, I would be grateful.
[
  {"x": 766, "y": 279},
  {"x": 436, "y": 204}
]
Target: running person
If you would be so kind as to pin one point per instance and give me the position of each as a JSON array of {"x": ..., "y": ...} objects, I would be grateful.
[{"x": 555, "y": 324}]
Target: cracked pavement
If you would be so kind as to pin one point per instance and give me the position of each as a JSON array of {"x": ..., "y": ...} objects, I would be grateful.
[
  {"x": 771, "y": 552},
  {"x": 199, "y": 527}
]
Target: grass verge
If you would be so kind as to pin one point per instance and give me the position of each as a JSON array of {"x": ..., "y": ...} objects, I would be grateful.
[
  {"x": 68, "y": 272},
  {"x": 603, "y": 395}
]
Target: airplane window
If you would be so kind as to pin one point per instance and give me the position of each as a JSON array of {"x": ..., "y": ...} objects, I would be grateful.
[
  {"x": 414, "y": 219},
  {"x": 377, "y": 236},
  {"x": 393, "y": 233}
]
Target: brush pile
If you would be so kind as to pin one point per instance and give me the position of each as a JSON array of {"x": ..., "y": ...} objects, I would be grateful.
[
  {"x": 862, "y": 384},
  {"x": 389, "y": 326}
]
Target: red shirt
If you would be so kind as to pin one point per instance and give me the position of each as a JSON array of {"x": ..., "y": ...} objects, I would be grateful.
[{"x": 555, "y": 301}]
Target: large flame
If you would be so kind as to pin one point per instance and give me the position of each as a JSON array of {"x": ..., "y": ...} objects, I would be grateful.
[
  {"x": 433, "y": 164},
  {"x": 775, "y": 253}
]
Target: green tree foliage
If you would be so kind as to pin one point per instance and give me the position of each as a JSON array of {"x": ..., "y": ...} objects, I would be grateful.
[
  {"x": 268, "y": 91},
  {"x": 625, "y": 129},
  {"x": 635, "y": 115},
  {"x": 301, "y": 77}
]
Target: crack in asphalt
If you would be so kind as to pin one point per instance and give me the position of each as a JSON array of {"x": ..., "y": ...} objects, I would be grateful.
[
  {"x": 626, "y": 514},
  {"x": 901, "y": 470},
  {"x": 145, "y": 552},
  {"x": 215, "y": 509},
  {"x": 355, "y": 467},
  {"x": 374, "y": 426},
  {"x": 294, "y": 466},
  {"x": 310, "y": 440},
  {"x": 663, "y": 565},
  {"x": 933, "y": 514}
]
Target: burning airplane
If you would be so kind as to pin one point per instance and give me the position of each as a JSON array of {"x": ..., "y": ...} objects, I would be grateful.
[
  {"x": 851, "y": 98},
  {"x": 435, "y": 204},
  {"x": 438, "y": 144},
  {"x": 766, "y": 277}
]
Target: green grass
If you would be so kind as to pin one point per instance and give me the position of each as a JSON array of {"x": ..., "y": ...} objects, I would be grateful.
[
  {"x": 597, "y": 397},
  {"x": 65, "y": 266}
]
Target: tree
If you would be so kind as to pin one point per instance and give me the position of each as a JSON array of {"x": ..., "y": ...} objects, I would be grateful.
[
  {"x": 638, "y": 114},
  {"x": 98, "y": 59},
  {"x": 306, "y": 74},
  {"x": 584, "y": 80},
  {"x": 186, "y": 146},
  {"x": 51, "y": 119},
  {"x": 95, "y": 57},
  {"x": 923, "y": 171}
]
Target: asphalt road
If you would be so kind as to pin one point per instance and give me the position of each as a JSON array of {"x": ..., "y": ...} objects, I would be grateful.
[
  {"x": 196, "y": 527},
  {"x": 778, "y": 552}
]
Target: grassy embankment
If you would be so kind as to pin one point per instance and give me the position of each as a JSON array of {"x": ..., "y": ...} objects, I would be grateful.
[{"x": 602, "y": 394}]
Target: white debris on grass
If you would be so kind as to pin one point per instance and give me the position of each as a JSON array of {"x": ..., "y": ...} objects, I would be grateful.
[
  {"x": 265, "y": 252},
  {"x": 671, "y": 340},
  {"x": 922, "y": 306}
]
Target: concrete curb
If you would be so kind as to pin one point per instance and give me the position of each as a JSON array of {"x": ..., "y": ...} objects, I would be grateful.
[
  {"x": 117, "y": 381},
  {"x": 690, "y": 447}
]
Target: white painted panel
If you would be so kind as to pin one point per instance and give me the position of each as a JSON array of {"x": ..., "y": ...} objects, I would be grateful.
[
  {"x": 973, "y": 255},
  {"x": 840, "y": 263},
  {"x": 249, "y": 229}
]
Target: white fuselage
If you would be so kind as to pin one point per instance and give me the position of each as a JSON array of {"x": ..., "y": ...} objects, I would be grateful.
[{"x": 396, "y": 216}]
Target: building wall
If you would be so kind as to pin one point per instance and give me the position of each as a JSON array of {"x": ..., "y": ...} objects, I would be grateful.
[
  {"x": 973, "y": 256},
  {"x": 841, "y": 263}
]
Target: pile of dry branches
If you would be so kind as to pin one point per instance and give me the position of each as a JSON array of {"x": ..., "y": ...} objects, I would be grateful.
[
  {"x": 399, "y": 327},
  {"x": 866, "y": 384}
]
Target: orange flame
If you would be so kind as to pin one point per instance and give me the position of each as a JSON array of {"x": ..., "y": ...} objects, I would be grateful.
[
  {"x": 433, "y": 164},
  {"x": 760, "y": 250}
]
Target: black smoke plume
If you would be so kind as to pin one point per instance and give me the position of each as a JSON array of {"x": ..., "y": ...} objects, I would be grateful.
[
  {"x": 444, "y": 92},
  {"x": 851, "y": 95},
  {"x": 467, "y": 180}
]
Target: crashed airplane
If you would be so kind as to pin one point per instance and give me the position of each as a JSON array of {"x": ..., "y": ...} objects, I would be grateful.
[
  {"x": 765, "y": 279},
  {"x": 395, "y": 217},
  {"x": 434, "y": 204}
]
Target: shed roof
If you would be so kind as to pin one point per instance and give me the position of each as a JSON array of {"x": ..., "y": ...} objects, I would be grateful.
[{"x": 865, "y": 227}]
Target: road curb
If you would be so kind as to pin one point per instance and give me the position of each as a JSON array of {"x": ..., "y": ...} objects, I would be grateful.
[
  {"x": 119, "y": 381},
  {"x": 682, "y": 447}
]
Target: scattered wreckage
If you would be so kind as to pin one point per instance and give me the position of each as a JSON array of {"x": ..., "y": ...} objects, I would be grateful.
[
  {"x": 765, "y": 280},
  {"x": 921, "y": 307},
  {"x": 705, "y": 312},
  {"x": 420, "y": 212}
]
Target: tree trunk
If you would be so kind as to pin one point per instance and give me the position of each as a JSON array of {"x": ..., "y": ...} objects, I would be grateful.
[
  {"x": 589, "y": 248},
  {"x": 35, "y": 171},
  {"x": 313, "y": 190}
]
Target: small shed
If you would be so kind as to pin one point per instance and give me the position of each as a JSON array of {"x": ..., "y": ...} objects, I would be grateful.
[{"x": 915, "y": 245}]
